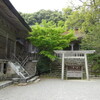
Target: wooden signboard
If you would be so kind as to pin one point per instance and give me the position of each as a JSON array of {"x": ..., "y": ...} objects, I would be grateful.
[{"x": 74, "y": 72}]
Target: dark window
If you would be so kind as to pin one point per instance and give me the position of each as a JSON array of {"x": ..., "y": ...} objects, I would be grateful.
[
  {"x": 68, "y": 48},
  {"x": 76, "y": 46},
  {"x": 5, "y": 68}
]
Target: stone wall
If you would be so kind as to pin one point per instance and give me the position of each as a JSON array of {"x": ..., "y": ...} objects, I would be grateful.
[
  {"x": 6, "y": 72},
  {"x": 30, "y": 67}
]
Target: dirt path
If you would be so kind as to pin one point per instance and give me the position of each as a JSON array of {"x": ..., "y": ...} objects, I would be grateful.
[{"x": 54, "y": 89}]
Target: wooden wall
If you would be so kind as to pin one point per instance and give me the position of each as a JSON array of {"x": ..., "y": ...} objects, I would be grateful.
[{"x": 7, "y": 38}]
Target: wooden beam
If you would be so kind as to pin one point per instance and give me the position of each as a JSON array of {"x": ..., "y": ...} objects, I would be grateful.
[
  {"x": 62, "y": 74},
  {"x": 75, "y": 57},
  {"x": 74, "y": 52}
]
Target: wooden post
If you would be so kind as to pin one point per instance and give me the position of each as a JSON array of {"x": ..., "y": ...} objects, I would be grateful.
[
  {"x": 72, "y": 47},
  {"x": 62, "y": 75},
  {"x": 2, "y": 64},
  {"x": 82, "y": 72},
  {"x": 86, "y": 67},
  {"x": 15, "y": 48},
  {"x": 6, "y": 47}
]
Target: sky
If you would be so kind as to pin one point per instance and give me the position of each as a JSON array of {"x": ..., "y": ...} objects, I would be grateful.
[{"x": 30, "y": 6}]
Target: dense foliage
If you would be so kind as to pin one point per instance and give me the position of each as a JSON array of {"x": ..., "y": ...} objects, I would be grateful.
[
  {"x": 47, "y": 36},
  {"x": 47, "y": 15},
  {"x": 87, "y": 19},
  {"x": 92, "y": 38}
]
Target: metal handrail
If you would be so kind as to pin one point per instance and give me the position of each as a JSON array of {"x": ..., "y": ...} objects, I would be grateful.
[
  {"x": 15, "y": 58},
  {"x": 25, "y": 60}
]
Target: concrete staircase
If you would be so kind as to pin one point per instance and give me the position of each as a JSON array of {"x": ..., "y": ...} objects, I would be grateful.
[
  {"x": 20, "y": 71},
  {"x": 25, "y": 77}
]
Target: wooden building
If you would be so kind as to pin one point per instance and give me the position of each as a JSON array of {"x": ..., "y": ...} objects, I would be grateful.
[
  {"x": 13, "y": 42},
  {"x": 13, "y": 30}
]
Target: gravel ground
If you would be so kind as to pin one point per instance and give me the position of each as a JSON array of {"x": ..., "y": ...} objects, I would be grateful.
[{"x": 54, "y": 89}]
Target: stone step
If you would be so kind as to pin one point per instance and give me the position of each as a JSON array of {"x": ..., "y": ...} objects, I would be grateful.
[
  {"x": 35, "y": 79},
  {"x": 32, "y": 79},
  {"x": 5, "y": 84}
]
